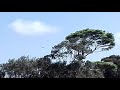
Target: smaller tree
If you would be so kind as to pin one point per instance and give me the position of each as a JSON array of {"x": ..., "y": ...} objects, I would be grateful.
[
  {"x": 109, "y": 69},
  {"x": 114, "y": 59}
]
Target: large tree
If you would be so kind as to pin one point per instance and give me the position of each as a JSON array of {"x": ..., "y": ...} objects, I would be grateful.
[{"x": 84, "y": 42}]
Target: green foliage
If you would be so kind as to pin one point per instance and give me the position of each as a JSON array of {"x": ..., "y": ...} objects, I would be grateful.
[
  {"x": 116, "y": 60},
  {"x": 91, "y": 37},
  {"x": 113, "y": 58},
  {"x": 106, "y": 65},
  {"x": 109, "y": 69},
  {"x": 82, "y": 43},
  {"x": 24, "y": 67}
]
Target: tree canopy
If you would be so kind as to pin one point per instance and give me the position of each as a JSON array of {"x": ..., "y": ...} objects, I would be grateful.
[{"x": 84, "y": 42}]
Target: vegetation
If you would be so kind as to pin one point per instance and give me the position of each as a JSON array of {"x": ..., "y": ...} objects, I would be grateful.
[
  {"x": 76, "y": 46},
  {"x": 84, "y": 42}
]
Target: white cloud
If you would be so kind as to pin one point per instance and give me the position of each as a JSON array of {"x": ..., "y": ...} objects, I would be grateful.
[
  {"x": 117, "y": 38},
  {"x": 29, "y": 27}
]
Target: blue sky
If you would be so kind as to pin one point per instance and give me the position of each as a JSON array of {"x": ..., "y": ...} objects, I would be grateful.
[{"x": 34, "y": 33}]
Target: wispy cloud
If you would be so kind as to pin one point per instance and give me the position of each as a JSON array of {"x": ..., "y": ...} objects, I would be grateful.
[
  {"x": 29, "y": 27},
  {"x": 117, "y": 38}
]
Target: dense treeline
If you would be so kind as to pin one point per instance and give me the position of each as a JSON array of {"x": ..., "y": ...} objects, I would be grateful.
[
  {"x": 24, "y": 67},
  {"x": 76, "y": 46}
]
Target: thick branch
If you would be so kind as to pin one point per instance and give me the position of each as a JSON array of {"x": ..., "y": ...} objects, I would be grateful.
[{"x": 96, "y": 47}]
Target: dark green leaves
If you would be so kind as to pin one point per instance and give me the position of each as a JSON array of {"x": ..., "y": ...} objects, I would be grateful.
[{"x": 84, "y": 42}]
